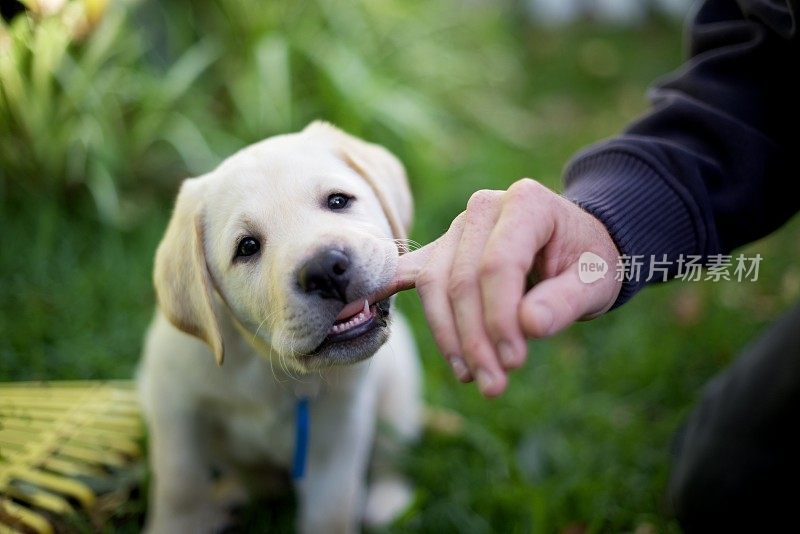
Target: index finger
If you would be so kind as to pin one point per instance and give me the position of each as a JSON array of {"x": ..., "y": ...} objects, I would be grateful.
[{"x": 409, "y": 266}]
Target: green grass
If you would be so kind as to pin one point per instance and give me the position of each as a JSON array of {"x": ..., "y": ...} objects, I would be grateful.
[
  {"x": 76, "y": 294},
  {"x": 581, "y": 439}
]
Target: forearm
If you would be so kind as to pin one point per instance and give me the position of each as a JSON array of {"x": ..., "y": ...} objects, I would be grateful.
[{"x": 704, "y": 170}]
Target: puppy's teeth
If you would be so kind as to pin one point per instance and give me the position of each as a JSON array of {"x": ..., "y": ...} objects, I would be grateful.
[{"x": 362, "y": 317}]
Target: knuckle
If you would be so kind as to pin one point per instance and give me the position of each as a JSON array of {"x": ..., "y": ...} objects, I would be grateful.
[
  {"x": 493, "y": 266},
  {"x": 459, "y": 220},
  {"x": 448, "y": 347},
  {"x": 498, "y": 327},
  {"x": 474, "y": 347},
  {"x": 497, "y": 263},
  {"x": 526, "y": 188},
  {"x": 460, "y": 285},
  {"x": 480, "y": 199}
]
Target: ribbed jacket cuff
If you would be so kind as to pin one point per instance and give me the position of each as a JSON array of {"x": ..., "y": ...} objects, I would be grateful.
[{"x": 639, "y": 203}]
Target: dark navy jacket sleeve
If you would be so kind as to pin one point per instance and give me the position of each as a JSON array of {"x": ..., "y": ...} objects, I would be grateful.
[{"x": 711, "y": 166}]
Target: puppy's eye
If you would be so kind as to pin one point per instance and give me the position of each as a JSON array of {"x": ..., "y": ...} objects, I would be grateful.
[
  {"x": 338, "y": 201},
  {"x": 248, "y": 246}
]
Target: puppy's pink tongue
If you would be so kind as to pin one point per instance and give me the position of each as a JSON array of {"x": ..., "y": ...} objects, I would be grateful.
[{"x": 352, "y": 309}]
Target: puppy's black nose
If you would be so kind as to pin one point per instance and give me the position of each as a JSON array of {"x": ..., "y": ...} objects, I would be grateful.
[{"x": 326, "y": 275}]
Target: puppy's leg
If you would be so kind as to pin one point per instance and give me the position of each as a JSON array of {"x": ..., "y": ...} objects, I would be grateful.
[
  {"x": 182, "y": 493},
  {"x": 331, "y": 495},
  {"x": 399, "y": 422}
]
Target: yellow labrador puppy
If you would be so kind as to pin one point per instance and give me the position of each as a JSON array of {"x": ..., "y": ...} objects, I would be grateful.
[{"x": 267, "y": 265}]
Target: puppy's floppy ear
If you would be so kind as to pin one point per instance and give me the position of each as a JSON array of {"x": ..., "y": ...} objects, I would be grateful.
[
  {"x": 181, "y": 276},
  {"x": 380, "y": 168}
]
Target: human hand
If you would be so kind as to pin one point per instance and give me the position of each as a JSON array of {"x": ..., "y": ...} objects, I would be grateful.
[{"x": 474, "y": 280}]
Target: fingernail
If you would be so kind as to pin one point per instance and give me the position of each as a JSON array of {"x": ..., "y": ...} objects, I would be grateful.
[
  {"x": 507, "y": 355},
  {"x": 544, "y": 317},
  {"x": 460, "y": 368},
  {"x": 485, "y": 380}
]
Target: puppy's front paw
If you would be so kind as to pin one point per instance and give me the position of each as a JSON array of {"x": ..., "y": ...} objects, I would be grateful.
[{"x": 387, "y": 498}]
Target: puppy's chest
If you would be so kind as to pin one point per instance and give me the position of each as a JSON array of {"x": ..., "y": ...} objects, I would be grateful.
[{"x": 257, "y": 432}]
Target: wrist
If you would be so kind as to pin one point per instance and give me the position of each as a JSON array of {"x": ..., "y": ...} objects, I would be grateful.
[{"x": 639, "y": 206}]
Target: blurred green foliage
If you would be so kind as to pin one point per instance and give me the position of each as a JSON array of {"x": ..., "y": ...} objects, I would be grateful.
[{"x": 104, "y": 109}]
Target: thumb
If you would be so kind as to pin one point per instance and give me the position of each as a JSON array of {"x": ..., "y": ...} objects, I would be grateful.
[{"x": 557, "y": 302}]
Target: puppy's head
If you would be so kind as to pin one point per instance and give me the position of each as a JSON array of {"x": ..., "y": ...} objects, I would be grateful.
[{"x": 283, "y": 237}]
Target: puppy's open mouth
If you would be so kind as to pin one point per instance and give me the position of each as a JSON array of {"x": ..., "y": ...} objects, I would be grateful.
[{"x": 352, "y": 324}]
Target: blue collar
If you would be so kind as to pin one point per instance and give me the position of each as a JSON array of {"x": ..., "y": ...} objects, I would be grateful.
[{"x": 300, "y": 438}]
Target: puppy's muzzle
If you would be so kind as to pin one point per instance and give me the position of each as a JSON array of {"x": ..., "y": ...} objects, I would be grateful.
[{"x": 326, "y": 275}]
